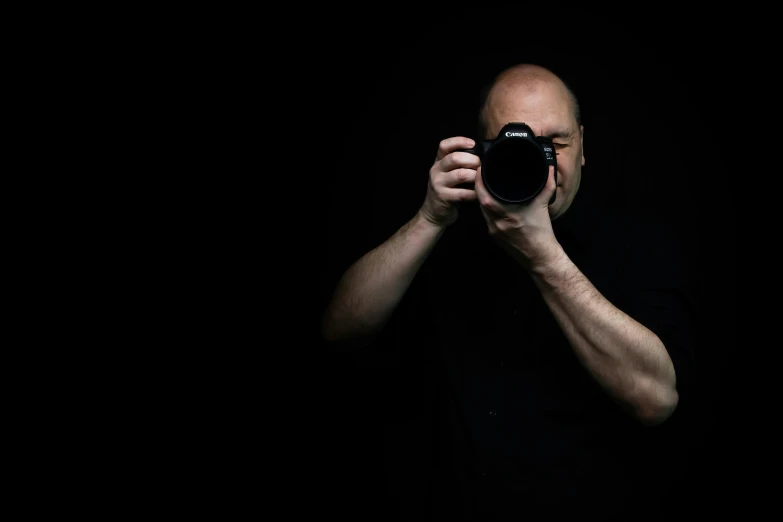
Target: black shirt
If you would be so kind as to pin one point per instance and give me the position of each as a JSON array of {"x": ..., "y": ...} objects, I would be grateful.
[{"x": 521, "y": 422}]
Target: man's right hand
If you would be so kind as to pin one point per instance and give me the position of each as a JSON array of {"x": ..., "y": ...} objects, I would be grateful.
[
  {"x": 451, "y": 168},
  {"x": 371, "y": 289}
]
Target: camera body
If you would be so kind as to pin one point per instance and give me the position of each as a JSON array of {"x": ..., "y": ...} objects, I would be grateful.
[{"x": 515, "y": 165}]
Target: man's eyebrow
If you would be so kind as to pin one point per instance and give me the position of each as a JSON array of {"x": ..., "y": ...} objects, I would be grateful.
[{"x": 562, "y": 134}]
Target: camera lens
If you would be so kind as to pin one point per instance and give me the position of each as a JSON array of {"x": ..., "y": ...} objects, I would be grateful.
[{"x": 515, "y": 170}]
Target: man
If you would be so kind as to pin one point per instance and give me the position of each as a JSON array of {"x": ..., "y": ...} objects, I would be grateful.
[{"x": 563, "y": 342}]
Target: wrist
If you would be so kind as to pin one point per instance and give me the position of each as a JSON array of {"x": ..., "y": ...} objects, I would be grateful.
[
  {"x": 549, "y": 263},
  {"x": 423, "y": 223}
]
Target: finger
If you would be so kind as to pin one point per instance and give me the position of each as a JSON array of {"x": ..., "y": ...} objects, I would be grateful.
[
  {"x": 455, "y": 195},
  {"x": 459, "y": 160},
  {"x": 449, "y": 145},
  {"x": 457, "y": 177}
]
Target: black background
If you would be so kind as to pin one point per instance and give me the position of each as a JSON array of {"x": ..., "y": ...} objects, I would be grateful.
[{"x": 388, "y": 86}]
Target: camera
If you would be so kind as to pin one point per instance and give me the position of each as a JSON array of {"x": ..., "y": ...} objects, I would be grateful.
[{"x": 515, "y": 165}]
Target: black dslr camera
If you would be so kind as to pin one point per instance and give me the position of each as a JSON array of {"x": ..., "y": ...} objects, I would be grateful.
[{"x": 515, "y": 165}]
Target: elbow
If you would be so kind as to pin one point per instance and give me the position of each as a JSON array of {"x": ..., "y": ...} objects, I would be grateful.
[
  {"x": 657, "y": 406},
  {"x": 338, "y": 339}
]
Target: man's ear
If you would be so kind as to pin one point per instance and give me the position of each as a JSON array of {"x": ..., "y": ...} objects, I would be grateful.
[{"x": 582, "y": 139}]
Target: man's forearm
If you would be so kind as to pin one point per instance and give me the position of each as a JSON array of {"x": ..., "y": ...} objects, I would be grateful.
[
  {"x": 370, "y": 290},
  {"x": 628, "y": 360}
]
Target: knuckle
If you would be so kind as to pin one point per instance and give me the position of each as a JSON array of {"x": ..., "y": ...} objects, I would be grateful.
[
  {"x": 469, "y": 160},
  {"x": 440, "y": 165}
]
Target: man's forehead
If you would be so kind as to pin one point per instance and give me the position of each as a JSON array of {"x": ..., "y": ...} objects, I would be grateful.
[
  {"x": 559, "y": 124},
  {"x": 545, "y": 103}
]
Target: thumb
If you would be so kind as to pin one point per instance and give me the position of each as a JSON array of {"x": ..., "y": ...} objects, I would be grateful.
[
  {"x": 479, "y": 187},
  {"x": 549, "y": 189}
]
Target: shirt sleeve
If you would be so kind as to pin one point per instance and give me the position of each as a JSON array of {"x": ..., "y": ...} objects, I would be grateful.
[{"x": 662, "y": 295}]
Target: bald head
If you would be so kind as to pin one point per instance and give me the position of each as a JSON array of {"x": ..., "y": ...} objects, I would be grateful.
[
  {"x": 537, "y": 97},
  {"x": 536, "y": 88}
]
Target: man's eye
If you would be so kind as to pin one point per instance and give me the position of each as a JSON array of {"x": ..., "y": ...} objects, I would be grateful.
[{"x": 560, "y": 144}]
